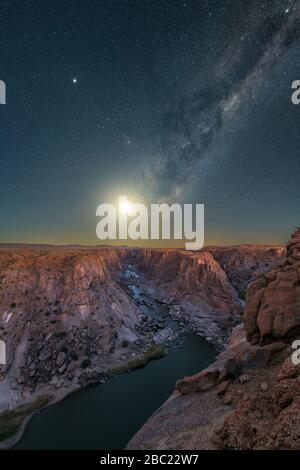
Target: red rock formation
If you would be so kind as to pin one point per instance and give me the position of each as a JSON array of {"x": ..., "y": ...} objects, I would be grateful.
[
  {"x": 198, "y": 284},
  {"x": 62, "y": 301},
  {"x": 273, "y": 301}
]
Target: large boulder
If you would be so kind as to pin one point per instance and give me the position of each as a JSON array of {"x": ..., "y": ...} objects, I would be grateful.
[
  {"x": 272, "y": 309},
  {"x": 198, "y": 383}
]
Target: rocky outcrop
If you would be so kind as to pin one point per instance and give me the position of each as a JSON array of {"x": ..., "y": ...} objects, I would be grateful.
[
  {"x": 250, "y": 397},
  {"x": 273, "y": 301}
]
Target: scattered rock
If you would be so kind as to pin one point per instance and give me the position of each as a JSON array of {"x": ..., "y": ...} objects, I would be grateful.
[
  {"x": 222, "y": 387},
  {"x": 62, "y": 368},
  {"x": 244, "y": 361},
  {"x": 223, "y": 375},
  {"x": 60, "y": 359},
  {"x": 45, "y": 355},
  {"x": 244, "y": 378},
  {"x": 264, "y": 387},
  {"x": 227, "y": 400},
  {"x": 202, "y": 382}
]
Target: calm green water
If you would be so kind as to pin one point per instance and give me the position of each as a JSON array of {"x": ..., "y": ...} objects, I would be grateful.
[{"x": 105, "y": 417}]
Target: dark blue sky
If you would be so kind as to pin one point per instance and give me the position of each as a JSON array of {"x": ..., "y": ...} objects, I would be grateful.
[{"x": 186, "y": 101}]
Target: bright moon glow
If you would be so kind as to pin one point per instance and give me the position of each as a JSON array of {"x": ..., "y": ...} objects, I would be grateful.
[{"x": 125, "y": 205}]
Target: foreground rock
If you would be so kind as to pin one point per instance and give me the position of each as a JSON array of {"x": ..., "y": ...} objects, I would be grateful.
[
  {"x": 273, "y": 302},
  {"x": 250, "y": 397},
  {"x": 254, "y": 406}
]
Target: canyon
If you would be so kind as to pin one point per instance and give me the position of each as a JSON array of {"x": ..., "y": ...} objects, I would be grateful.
[
  {"x": 249, "y": 398},
  {"x": 76, "y": 316}
]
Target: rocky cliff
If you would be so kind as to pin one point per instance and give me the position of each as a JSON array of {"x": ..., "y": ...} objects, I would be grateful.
[
  {"x": 70, "y": 317},
  {"x": 273, "y": 301},
  {"x": 195, "y": 285},
  {"x": 250, "y": 397},
  {"x": 244, "y": 264}
]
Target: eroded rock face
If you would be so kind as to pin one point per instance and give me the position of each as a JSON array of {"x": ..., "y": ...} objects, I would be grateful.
[
  {"x": 273, "y": 302},
  {"x": 197, "y": 284},
  {"x": 67, "y": 315},
  {"x": 244, "y": 264},
  {"x": 180, "y": 274},
  {"x": 62, "y": 313}
]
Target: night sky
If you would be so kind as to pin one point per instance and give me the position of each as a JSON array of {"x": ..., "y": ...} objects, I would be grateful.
[{"x": 161, "y": 100}]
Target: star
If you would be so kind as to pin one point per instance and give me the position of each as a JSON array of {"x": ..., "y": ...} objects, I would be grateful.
[{"x": 74, "y": 80}]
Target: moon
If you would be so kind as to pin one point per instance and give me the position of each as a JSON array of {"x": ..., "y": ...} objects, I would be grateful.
[{"x": 124, "y": 205}]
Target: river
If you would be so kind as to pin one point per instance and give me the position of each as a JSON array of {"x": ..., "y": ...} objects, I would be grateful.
[{"x": 105, "y": 417}]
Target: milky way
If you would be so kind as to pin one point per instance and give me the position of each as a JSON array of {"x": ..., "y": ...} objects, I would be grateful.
[{"x": 189, "y": 130}]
